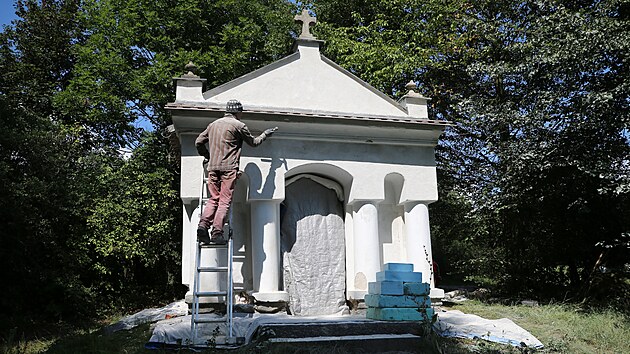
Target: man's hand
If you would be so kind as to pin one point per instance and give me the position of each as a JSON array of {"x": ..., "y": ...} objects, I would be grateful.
[{"x": 270, "y": 131}]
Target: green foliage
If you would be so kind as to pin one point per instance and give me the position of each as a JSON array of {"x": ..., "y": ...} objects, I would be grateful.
[
  {"x": 387, "y": 43},
  {"x": 133, "y": 49},
  {"x": 86, "y": 229},
  {"x": 43, "y": 169},
  {"x": 548, "y": 119},
  {"x": 134, "y": 233},
  {"x": 534, "y": 173}
]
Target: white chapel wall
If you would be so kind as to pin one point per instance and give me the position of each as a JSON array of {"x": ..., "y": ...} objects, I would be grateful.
[{"x": 365, "y": 171}]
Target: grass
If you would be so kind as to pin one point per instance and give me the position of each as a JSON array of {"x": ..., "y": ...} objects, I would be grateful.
[
  {"x": 83, "y": 341},
  {"x": 561, "y": 328}
]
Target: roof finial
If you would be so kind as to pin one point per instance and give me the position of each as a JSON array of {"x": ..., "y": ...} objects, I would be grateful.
[
  {"x": 411, "y": 86},
  {"x": 191, "y": 70},
  {"x": 307, "y": 20}
]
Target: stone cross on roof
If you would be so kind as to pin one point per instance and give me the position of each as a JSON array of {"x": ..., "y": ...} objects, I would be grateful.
[{"x": 307, "y": 20}]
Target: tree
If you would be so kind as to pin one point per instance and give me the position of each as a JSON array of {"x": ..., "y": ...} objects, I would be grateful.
[
  {"x": 536, "y": 163},
  {"x": 549, "y": 114},
  {"x": 44, "y": 179},
  {"x": 124, "y": 68},
  {"x": 85, "y": 227}
]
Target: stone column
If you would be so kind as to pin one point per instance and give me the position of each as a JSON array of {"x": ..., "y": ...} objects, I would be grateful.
[
  {"x": 265, "y": 225},
  {"x": 367, "y": 249},
  {"x": 418, "y": 239}
]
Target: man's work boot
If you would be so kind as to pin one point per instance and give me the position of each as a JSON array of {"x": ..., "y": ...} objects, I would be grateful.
[
  {"x": 202, "y": 236},
  {"x": 218, "y": 239}
]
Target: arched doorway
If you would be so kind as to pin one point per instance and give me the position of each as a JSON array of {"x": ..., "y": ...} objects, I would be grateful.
[{"x": 313, "y": 246}]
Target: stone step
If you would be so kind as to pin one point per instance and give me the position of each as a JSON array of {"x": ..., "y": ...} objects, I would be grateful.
[
  {"x": 386, "y": 288},
  {"x": 413, "y": 301},
  {"x": 346, "y": 337},
  {"x": 399, "y": 267},
  {"x": 392, "y": 275},
  {"x": 400, "y": 314},
  {"x": 334, "y": 329},
  {"x": 416, "y": 288},
  {"x": 376, "y": 343}
]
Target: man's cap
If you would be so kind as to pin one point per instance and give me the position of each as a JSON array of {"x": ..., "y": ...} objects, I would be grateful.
[{"x": 233, "y": 106}]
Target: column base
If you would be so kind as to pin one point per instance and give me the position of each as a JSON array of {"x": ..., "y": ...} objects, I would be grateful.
[
  {"x": 271, "y": 296},
  {"x": 356, "y": 294},
  {"x": 204, "y": 300},
  {"x": 436, "y": 293}
]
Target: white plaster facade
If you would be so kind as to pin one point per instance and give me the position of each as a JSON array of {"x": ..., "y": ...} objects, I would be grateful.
[{"x": 331, "y": 124}]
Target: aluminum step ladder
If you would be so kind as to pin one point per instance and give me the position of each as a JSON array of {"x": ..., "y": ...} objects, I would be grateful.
[{"x": 228, "y": 294}]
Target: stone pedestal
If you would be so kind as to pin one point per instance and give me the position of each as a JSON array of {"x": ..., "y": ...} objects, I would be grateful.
[{"x": 399, "y": 295}]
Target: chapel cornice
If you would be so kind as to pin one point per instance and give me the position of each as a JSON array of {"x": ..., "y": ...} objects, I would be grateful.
[{"x": 263, "y": 113}]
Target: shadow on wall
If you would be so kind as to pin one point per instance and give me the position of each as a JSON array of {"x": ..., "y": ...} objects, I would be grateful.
[
  {"x": 390, "y": 214},
  {"x": 258, "y": 190},
  {"x": 328, "y": 171},
  {"x": 242, "y": 235}
]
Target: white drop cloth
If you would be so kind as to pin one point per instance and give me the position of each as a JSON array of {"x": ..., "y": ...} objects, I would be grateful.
[
  {"x": 175, "y": 309},
  {"x": 461, "y": 325},
  {"x": 177, "y": 330}
]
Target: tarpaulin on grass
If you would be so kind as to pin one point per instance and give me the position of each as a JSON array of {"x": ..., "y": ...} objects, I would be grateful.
[
  {"x": 461, "y": 325},
  {"x": 175, "y": 309}
]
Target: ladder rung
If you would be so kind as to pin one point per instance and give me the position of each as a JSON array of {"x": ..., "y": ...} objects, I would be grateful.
[
  {"x": 212, "y": 245},
  {"x": 210, "y": 293},
  {"x": 209, "y": 320},
  {"x": 212, "y": 269}
]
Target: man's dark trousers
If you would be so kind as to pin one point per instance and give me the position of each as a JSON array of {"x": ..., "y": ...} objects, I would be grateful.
[{"x": 220, "y": 187}]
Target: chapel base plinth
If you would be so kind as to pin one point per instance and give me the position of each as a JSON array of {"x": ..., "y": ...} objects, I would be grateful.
[
  {"x": 437, "y": 293},
  {"x": 271, "y": 296},
  {"x": 356, "y": 294},
  {"x": 205, "y": 299},
  {"x": 271, "y": 302}
]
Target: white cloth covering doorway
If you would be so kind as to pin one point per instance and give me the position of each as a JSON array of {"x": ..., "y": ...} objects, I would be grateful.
[{"x": 313, "y": 246}]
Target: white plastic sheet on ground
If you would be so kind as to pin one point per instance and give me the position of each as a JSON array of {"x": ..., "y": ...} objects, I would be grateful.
[
  {"x": 461, "y": 325},
  {"x": 177, "y": 330},
  {"x": 313, "y": 246},
  {"x": 175, "y": 309}
]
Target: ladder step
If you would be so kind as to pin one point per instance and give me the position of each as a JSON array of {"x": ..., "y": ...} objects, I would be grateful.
[
  {"x": 212, "y": 245},
  {"x": 212, "y": 269},
  {"x": 209, "y": 320},
  {"x": 210, "y": 293}
]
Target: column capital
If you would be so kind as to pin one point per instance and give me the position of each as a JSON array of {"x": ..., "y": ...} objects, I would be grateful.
[
  {"x": 357, "y": 203},
  {"x": 413, "y": 203}
]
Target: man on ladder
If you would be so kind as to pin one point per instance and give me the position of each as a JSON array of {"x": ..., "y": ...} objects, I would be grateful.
[{"x": 225, "y": 138}]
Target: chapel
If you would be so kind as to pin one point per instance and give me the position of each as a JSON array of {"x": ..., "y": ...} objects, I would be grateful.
[{"x": 340, "y": 189}]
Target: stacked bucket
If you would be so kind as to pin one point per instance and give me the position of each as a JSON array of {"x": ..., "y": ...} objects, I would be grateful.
[{"x": 399, "y": 295}]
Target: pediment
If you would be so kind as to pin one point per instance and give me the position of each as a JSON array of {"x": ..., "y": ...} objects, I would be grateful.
[{"x": 306, "y": 82}]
